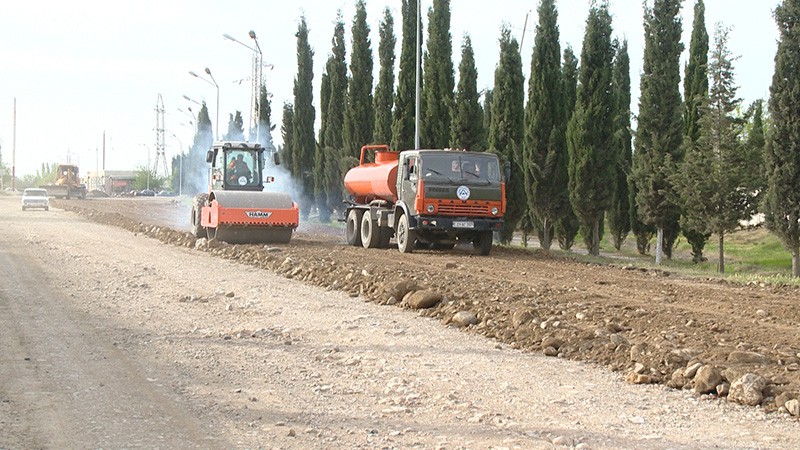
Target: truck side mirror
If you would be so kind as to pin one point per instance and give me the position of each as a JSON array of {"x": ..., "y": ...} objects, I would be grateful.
[
  {"x": 276, "y": 158},
  {"x": 209, "y": 156},
  {"x": 508, "y": 171}
]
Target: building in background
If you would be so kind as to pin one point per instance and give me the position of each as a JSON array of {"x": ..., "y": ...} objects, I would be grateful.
[{"x": 112, "y": 182}]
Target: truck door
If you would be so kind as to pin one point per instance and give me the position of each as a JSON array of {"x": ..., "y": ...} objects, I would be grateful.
[{"x": 409, "y": 179}]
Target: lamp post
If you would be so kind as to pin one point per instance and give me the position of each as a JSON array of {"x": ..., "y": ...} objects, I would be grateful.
[
  {"x": 180, "y": 167},
  {"x": 213, "y": 82},
  {"x": 257, "y": 78},
  {"x": 192, "y": 100},
  {"x": 256, "y": 91}
]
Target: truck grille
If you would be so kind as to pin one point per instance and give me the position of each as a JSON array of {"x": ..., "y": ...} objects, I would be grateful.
[{"x": 469, "y": 209}]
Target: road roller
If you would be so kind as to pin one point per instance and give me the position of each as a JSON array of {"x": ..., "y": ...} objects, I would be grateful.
[
  {"x": 236, "y": 208},
  {"x": 434, "y": 198}
]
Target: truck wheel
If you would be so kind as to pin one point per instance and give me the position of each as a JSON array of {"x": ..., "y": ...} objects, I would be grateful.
[
  {"x": 483, "y": 243},
  {"x": 406, "y": 237},
  {"x": 370, "y": 232},
  {"x": 385, "y": 236},
  {"x": 353, "y": 228},
  {"x": 198, "y": 229}
]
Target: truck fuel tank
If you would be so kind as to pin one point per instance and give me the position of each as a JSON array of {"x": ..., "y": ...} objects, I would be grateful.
[{"x": 378, "y": 180}]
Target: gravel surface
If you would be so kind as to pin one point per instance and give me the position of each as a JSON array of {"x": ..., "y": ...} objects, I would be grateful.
[{"x": 114, "y": 339}]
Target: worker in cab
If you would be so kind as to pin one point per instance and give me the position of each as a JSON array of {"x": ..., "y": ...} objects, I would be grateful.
[{"x": 238, "y": 171}]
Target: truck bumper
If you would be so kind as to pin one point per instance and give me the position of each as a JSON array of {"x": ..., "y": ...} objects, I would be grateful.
[{"x": 455, "y": 224}]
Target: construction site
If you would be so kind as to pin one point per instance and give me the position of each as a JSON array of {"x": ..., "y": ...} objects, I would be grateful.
[{"x": 704, "y": 343}]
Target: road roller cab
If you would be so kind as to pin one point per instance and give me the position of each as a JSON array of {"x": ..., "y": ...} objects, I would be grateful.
[{"x": 237, "y": 209}]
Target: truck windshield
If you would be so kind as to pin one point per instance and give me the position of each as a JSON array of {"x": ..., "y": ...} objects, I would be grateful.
[{"x": 461, "y": 167}]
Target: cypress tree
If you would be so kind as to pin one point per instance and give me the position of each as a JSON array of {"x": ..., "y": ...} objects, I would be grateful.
[
  {"x": 303, "y": 142},
  {"x": 324, "y": 102},
  {"x": 337, "y": 75},
  {"x": 754, "y": 147},
  {"x": 359, "y": 116},
  {"x": 782, "y": 202},
  {"x": 715, "y": 191},
  {"x": 332, "y": 145},
  {"x": 384, "y": 92},
  {"x": 265, "y": 125},
  {"x": 195, "y": 168},
  {"x": 545, "y": 152},
  {"x": 507, "y": 128},
  {"x": 590, "y": 135},
  {"x": 467, "y": 120},
  {"x": 487, "y": 116},
  {"x": 695, "y": 93},
  {"x": 405, "y": 100},
  {"x": 660, "y": 125},
  {"x": 322, "y": 152},
  {"x": 235, "y": 127},
  {"x": 619, "y": 215},
  {"x": 567, "y": 226},
  {"x": 287, "y": 130},
  {"x": 341, "y": 158},
  {"x": 439, "y": 78}
]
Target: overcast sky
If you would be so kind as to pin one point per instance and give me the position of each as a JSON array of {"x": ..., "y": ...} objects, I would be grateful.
[{"x": 79, "y": 68}]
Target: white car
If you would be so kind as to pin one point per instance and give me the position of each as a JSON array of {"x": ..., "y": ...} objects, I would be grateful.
[{"x": 35, "y": 198}]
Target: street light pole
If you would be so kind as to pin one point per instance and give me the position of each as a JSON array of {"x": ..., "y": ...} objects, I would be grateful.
[
  {"x": 180, "y": 167},
  {"x": 256, "y": 78},
  {"x": 216, "y": 86},
  {"x": 416, "y": 104},
  {"x": 257, "y": 90},
  {"x": 213, "y": 82}
]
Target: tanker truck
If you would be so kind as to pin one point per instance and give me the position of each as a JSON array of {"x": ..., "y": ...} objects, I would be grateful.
[{"x": 425, "y": 199}]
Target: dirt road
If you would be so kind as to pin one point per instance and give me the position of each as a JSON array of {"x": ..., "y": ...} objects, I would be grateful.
[{"x": 114, "y": 339}]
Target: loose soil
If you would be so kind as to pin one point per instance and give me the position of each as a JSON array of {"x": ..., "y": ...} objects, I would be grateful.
[
  {"x": 651, "y": 325},
  {"x": 139, "y": 335}
]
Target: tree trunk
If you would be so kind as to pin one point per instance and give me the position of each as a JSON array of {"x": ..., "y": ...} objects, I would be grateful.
[
  {"x": 659, "y": 245},
  {"x": 796, "y": 261},
  {"x": 721, "y": 265},
  {"x": 547, "y": 239},
  {"x": 596, "y": 237}
]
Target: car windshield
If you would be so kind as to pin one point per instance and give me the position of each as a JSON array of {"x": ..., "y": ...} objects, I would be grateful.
[
  {"x": 461, "y": 167},
  {"x": 34, "y": 193}
]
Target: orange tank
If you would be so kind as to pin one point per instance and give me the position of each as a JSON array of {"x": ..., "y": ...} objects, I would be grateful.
[{"x": 371, "y": 181}]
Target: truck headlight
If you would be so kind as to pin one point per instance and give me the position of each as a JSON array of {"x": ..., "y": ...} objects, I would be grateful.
[
  {"x": 495, "y": 211},
  {"x": 431, "y": 208}
]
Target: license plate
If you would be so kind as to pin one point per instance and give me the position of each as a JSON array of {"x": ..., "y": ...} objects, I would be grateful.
[{"x": 463, "y": 224}]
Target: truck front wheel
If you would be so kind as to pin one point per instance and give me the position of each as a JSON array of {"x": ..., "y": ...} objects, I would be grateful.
[
  {"x": 406, "y": 237},
  {"x": 353, "y": 228},
  {"x": 483, "y": 243}
]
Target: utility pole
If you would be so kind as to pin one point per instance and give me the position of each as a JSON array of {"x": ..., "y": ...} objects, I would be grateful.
[
  {"x": 160, "y": 145},
  {"x": 14, "y": 150},
  {"x": 416, "y": 105}
]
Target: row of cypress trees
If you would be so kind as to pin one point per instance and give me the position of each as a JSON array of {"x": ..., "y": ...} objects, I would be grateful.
[{"x": 570, "y": 144}]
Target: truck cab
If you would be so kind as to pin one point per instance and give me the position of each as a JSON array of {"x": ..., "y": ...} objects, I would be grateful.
[{"x": 450, "y": 196}]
